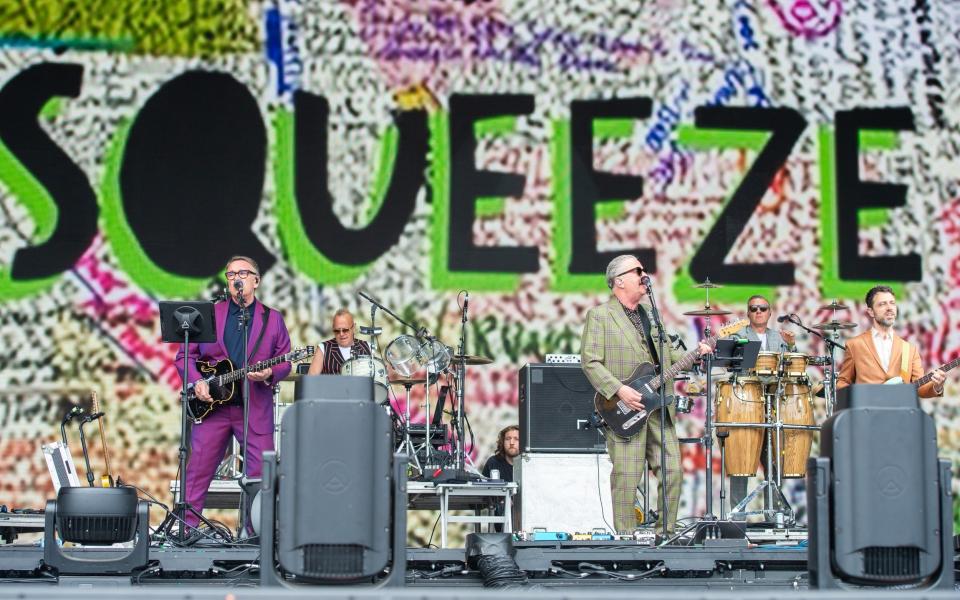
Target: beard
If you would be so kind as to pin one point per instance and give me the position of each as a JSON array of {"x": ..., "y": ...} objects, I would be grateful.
[{"x": 886, "y": 321}]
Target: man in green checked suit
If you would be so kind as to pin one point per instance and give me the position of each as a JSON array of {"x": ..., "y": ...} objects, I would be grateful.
[{"x": 613, "y": 343}]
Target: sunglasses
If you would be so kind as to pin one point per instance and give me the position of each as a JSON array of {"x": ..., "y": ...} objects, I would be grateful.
[
  {"x": 639, "y": 271},
  {"x": 758, "y": 308},
  {"x": 344, "y": 330}
]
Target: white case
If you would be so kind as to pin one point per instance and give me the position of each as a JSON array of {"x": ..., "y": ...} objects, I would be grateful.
[{"x": 559, "y": 492}]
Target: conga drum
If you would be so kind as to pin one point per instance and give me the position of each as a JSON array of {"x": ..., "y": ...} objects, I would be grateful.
[
  {"x": 741, "y": 402},
  {"x": 795, "y": 407},
  {"x": 795, "y": 365},
  {"x": 768, "y": 363}
]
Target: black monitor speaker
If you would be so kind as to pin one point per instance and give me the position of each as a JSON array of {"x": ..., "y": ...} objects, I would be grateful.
[
  {"x": 556, "y": 403},
  {"x": 879, "y": 500}
]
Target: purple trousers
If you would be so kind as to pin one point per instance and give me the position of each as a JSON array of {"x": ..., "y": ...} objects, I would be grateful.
[{"x": 208, "y": 445}]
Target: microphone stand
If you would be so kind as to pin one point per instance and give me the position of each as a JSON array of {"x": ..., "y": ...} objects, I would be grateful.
[
  {"x": 832, "y": 345},
  {"x": 243, "y": 325},
  {"x": 664, "y": 412},
  {"x": 461, "y": 382},
  {"x": 83, "y": 444}
]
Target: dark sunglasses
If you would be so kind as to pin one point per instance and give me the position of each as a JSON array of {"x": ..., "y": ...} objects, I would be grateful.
[
  {"x": 344, "y": 330},
  {"x": 639, "y": 271},
  {"x": 758, "y": 308}
]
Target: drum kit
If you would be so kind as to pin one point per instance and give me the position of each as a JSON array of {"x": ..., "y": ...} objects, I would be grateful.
[
  {"x": 768, "y": 404},
  {"x": 409, "y": 355}
]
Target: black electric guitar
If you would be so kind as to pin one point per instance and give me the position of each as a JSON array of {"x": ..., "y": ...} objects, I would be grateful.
[
  {"x": 222, "y": 379},
  {"x": 625, "y": 421}
]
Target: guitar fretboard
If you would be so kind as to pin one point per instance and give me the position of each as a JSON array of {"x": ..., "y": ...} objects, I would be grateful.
[
  {"x": 926, "y": 378},
  {"x": 263, "y": 364},
  {"x": 688, "y": 359}
]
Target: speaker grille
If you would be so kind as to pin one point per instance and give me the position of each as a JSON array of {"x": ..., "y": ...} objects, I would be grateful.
[
  {"x": 331, "y": 561},
  {"x": 556, "y": 401},
  {"x": 891, "y": 562},
  {"x": 97, "y": 530}
]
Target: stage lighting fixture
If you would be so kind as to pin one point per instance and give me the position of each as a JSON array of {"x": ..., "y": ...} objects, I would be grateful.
[
  {"x": 96, "y": 517},
  {"x": 333, "y": 507},
  {"x": 879, "y": 500}
]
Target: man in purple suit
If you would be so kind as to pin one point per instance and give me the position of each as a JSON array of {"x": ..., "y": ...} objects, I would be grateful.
[{"x": 267, "y": 337}]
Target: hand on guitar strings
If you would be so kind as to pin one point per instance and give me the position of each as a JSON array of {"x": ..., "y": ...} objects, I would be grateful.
[
  {"x": 202, "y": 391},
  {"x": 631, "y": 397},
  {"x": 704, "y": 348},
  {"x": 260, "y": 375}
]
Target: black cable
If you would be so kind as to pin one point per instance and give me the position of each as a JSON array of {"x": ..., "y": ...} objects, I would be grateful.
[
  {"x": 432, "y": 531},
  {"x": 603, "y": 513},
  {"x": 500, "y": 572}
]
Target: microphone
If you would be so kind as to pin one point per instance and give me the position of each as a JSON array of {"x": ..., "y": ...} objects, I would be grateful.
[
  {"x": 466, "y": 305},
  {"x": 238, "y": 285},
  {"x": 783, "y": 318},
  {"x": 645, "y": 280}
]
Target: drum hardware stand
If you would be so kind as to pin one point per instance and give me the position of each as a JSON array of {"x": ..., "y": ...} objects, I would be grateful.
[
  {"x": 830, "y": 393},
  {"x": 722, "y": 437},
  {"x": 407, "y": 445}
]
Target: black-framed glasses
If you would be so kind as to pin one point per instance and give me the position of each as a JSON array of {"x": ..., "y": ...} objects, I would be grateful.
[
  {"x": 242, "y": 274},
  {"x": 759, "y": 308},
  {"x": 638, "y": 270},
  {"x": 342, "y": 330}
]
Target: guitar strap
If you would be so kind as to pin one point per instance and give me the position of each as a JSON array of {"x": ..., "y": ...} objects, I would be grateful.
[
  {"x": 263, "y": 329},
  {"x": 905, "y": 361}
]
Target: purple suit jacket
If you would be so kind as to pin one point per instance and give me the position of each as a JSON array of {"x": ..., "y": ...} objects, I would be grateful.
[{"x": 276, "y": 341}]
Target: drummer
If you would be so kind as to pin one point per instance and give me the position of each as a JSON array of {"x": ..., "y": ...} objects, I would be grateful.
[
  {"x": 340, "y": 348},
  {"x": 771, "y": 340}
]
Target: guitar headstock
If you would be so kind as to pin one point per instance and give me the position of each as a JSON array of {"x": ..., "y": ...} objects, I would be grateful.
[
  {"x": 731, "y": 328},
  {"x": 303, "y": 353}
]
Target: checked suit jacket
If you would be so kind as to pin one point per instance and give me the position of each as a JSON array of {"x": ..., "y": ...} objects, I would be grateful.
[{"x": 611, "y": 348}]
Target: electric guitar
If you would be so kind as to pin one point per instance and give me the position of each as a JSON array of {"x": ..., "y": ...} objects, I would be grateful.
[
  {"x": 221, "y": 378},
  {"x": 625, "y": 421},
  {"x": 926, "y": 378},
  {"x": 106, "y": 480}
]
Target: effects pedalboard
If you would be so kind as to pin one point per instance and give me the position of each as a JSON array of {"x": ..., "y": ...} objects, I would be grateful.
[{"x": 540, "y": 534}]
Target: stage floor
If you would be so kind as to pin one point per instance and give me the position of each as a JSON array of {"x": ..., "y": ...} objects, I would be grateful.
[{"x": 586, "y": 565}]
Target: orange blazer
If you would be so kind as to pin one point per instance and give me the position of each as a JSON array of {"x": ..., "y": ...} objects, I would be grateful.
[{"x": 861, "y": 364}]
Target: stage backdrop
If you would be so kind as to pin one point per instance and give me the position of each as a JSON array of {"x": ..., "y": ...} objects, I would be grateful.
[{"x": 803, "y": 149}]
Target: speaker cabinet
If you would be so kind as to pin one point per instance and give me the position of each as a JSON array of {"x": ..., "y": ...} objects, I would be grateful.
[{"x": 556, "y": 402}]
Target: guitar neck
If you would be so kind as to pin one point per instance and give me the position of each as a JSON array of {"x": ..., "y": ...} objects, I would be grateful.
[
  {"x": 681, "y": 365},
  {"x": 241, "y": 373},
  {"x": 926, "y": 378}
]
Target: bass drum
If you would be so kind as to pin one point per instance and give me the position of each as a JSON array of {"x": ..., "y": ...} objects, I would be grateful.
[
  {"x": 369, "y": 366},
  {"x": 741, "y": 402}
]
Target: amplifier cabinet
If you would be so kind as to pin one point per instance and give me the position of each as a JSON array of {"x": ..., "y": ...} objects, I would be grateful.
[
  {"x": 556, "y": 402},
  {"x": 564, "y": 492}
]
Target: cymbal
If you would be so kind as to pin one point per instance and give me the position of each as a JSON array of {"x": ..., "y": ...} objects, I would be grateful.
[
  {"x": 471, "y": 359},
  {"x": 707, "y": 285},
  {"x": 834, "y": 306},
  {"x": 707, "y": 312},
  {"x": 405, "y": 381},
  {"x": 834, "y": 325}
]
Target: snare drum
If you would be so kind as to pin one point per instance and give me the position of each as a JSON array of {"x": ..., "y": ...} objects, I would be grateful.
[
  {"x": 741, "y": 403},
  {"x": 369, "y": 366},
  {"x": 768, "y": 363},
  {"x": 795, "y": 364},
  {"x": 795, "y": 407},
  {"x": 403, "y": 354}
]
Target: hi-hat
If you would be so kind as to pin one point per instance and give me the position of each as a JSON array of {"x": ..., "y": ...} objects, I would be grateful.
[
  {"x": 834, "y": 325},
  {"x": 834, "y": 306},
  {"x": 471, "y": 359},
  {"x": 707, "y": 312},
  {"x": 408, "y": 381}
]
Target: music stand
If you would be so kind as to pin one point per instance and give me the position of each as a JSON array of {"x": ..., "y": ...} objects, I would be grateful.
[
  {"x": 737, "y": 356},
  {"x": 185, "y": 322}
]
